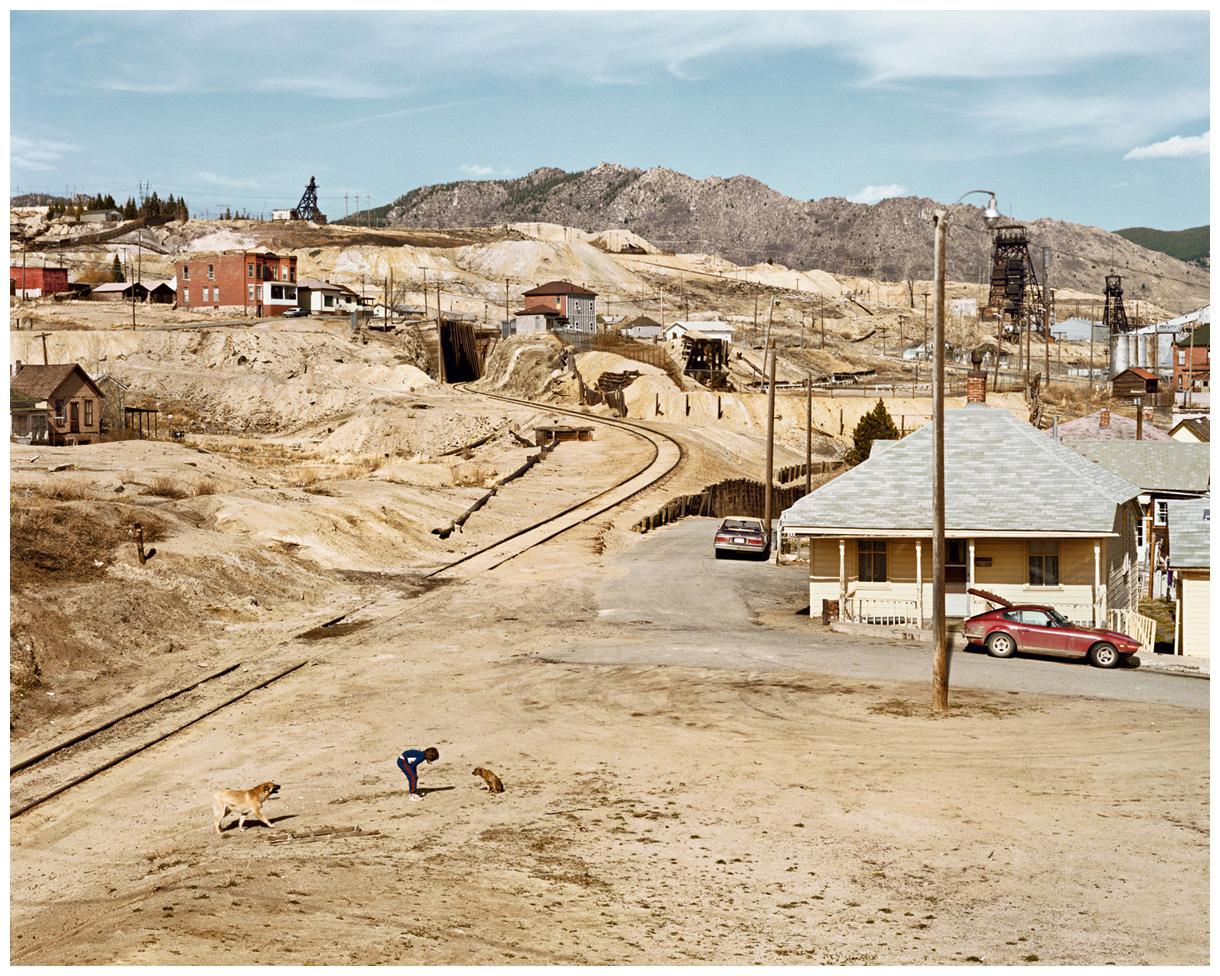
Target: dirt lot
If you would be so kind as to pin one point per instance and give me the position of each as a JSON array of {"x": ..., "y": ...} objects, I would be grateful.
[{"x": 652, "y": 815}]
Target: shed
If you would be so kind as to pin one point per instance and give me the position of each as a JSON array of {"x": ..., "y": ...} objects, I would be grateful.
[
  {"x": 1191, "y": 561},
  {"x": 1135, "y": 381},
  {"x": 119, "y": 291}
]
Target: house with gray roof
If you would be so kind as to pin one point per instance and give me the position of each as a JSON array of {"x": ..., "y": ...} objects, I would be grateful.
[
  {"x": 1190, "y": 558},
  {"x": 1163, "y": 472},
  {"x": 1103, "y": 425},
  {"x": 1026, "y": 518}
]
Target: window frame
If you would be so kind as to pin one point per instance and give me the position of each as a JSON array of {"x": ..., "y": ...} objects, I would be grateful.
[
  {"x": 211, "y": 272},
  {"x": 1160, "y": 512},
  {"x": 870, "y": 553},
  {"x": 88, "y": 412},
  {"x": 1038, "y": 552}
]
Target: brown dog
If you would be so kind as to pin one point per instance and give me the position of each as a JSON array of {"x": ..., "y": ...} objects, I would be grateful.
[
  {"x": 491, "y": 779},
  {"x": 243, "y": 803}
]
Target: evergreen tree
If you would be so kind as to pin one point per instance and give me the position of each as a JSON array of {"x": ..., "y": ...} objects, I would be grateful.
[
  {"x": 183, "y": 212},
  {"x": 876, "y": 425},
  {"x": 228, "y": 214},
  {"x": 116, "y": 270},
  {"x": 129, "y": 210}
]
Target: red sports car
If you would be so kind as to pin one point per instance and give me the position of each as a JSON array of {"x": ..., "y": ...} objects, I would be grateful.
[{"x": 1043, "y": 630}]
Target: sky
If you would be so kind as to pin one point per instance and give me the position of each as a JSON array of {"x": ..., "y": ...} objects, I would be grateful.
[{"x": 1097, "y": 117}]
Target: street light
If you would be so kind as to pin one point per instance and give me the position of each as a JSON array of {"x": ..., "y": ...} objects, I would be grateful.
[{"x": 940, "y": 658}]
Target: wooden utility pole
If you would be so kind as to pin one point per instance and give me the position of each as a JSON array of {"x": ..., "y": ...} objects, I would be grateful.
[
  {"x": 822, "y": 317},
  {"x": 808, "y": 433},
  {"x": 1091, "y": 332},
  {"x": 440, "y": 346},
  {"x": 940, "y": 647},
  {"x": 1139, "y": 418},
  {"x": 43, "y": 337},
  {"x": 770, "y": 437},
  {"x": 506, "y": 313},
  {"x": 755, "y": 328},
  {"x": 1047, "y": 299}
]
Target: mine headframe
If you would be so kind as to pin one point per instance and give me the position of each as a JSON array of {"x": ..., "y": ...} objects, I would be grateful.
[
  {"x": 1015, "y": 291},
  {"x": 307, "y": 209},
  {"x": 1114, "y": 316}
]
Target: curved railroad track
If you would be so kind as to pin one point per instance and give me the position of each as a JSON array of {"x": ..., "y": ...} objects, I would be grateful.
[{"x": 54, "y": 770}]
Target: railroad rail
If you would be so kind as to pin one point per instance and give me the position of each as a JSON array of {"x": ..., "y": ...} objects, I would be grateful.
[{"x": 70, "y": 762}]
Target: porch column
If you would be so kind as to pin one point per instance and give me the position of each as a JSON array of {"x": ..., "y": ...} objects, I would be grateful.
[
  {"x": 919, "y": 580},
  {"x": 1097, "y": 580},
  {"x": 969, "y": 577},
  {"x": 798, "y": 542},
  {"x": 842, "y": 579}
]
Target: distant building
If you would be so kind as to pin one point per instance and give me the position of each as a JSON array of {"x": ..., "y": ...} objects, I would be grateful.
[
  {"x": 36, "y": 282},
  {"x": 281, "y": 215},
  {"x": 963, "y": 306},
  {"x": 101, "y": 217},
  {"x": 707, "y": 330},
  {"x": 56, "y": 404},
  {"x": 257, "y": 283},
  {"x": 575, "y": 304},
  {"x": 535, "y": 318},
  {"x": 1192, "y": 430},
  {"x": 325, "y": 297},
  {"x": 641, "y": 327},
  {"x": 118, "y": 291},
  {"x": 1078, "y": 330},
  {"x": 1192, "y": 363},
  {"x": 1135, "y": 381},
  {"x": 1191, "y": 562}
]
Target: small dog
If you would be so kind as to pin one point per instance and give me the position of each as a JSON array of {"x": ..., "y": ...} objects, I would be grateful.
[
  {"x": 491, "y": 779},
  {"x": 243, "y": 803}
]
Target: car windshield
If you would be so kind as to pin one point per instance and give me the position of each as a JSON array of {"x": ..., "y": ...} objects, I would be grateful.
[
  {"x": 738, "y": 525},
  {"x": 1059, "y": 619}
]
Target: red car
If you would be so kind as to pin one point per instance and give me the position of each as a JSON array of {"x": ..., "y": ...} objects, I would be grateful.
[{"x": 1043, "y": 630}]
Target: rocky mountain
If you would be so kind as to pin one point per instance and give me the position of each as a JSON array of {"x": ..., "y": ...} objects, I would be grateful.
[{"x": 748, "y": 222}]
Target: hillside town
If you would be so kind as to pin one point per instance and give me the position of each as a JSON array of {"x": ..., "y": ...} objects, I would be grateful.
[{"x": 844, "y": 612}]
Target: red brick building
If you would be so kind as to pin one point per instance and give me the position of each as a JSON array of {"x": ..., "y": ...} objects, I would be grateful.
[
  {"x": 256, "y": 283},
  {"x": 33, "y": 282},
  {"x": 572, "y": 302},
  {"x": 1192, "y": 363}
]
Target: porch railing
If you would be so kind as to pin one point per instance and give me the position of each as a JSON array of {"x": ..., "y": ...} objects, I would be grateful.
[
  {"x": 1136, "y": 625},
  {"x": 887, "y": 613},
  {"x": 1078, "y": 613}
]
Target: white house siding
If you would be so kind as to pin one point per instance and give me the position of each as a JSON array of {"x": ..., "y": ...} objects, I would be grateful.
[{"x": 1195, "y": 623}]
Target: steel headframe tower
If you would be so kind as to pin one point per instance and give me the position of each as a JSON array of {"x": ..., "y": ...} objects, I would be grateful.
[
  {"x": 1114, "y": 317},
  {"x": 1015, "y": 291},
  {"x": 307, "y": 209}
]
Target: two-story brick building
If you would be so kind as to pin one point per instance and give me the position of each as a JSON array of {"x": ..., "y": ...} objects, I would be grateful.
[
  {"x": 257, "y": 283},
  {"x": 574, "y": 303},
  {"x": 1192, "y": 361}
]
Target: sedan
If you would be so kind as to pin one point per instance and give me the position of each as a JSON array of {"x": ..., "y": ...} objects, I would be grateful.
[
  {"x": 741, "y": 534},
  {"x": 296, "y": 313},
  {"x": 1044, "y": 630}
]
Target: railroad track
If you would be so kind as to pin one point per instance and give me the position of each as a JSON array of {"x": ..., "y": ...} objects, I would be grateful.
[{"x": 54, "y": 770}]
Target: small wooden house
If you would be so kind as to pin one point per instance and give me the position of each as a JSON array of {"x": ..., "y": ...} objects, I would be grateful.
[
  {"x": 63, "y": 394},
  {"x": 1133, "y": 382}
]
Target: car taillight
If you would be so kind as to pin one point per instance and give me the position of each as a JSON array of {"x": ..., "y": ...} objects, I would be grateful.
[
  {"x": 723, "y": 538},
  {"x": 753, "y": 542}
]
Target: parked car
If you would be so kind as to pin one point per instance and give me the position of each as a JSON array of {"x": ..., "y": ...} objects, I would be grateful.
[
  {"x": 1044, "y": 630},
  {"x": 296, "y": 313},
  {"x": 741, "y": 534}
]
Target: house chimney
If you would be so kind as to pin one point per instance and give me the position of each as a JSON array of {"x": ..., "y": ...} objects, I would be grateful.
[
  {"x": 17, "y": 367},
  {"x": 976, "y": 379},
  {"x": 1103, "y": 421}
]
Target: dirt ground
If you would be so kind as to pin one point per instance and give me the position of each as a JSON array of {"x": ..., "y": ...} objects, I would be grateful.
[{"x": 652, "y": 814}]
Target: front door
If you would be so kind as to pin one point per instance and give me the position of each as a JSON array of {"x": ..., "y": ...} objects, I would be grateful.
[
  {"x": 957, "y": 601},
  {"x": 74, "y": 417}
]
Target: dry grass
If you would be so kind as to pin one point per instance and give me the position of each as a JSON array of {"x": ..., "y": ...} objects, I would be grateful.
[
  {"x": 205, "y": 487},
  {"x": 167, "y": 487},
  {"x": 63, "y": 490}
]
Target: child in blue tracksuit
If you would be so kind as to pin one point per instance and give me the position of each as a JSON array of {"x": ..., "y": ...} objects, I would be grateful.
[{"x": 408, "y": 762}]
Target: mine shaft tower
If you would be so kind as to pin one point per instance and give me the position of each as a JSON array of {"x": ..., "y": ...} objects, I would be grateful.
[
  {"x": 307, "y": 209},
  {"x": 1114, "y": 316},
  {"x": 1015, "y": 291}
]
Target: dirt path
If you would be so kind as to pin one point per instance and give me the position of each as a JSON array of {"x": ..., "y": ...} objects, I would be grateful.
[{"x": 652, "y": 815}]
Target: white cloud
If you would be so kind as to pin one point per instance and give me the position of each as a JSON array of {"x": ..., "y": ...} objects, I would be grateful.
[
  {"x": 37, "y": 154},
  {"x": 478, "y": 169},
  {"x": 875, "y": 194},
  {"x": 1175, "y": 147},
  {"x": 224, "y": 181},
  {"x": 324, "y": 87}
]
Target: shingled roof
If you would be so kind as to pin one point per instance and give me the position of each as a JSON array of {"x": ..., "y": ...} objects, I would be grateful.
[
  {"x": 1190, "y": 533},
  {"x": 1002, "y": 476},
  {"x": 1169, "y": 466},
  {"x": 1120, "y": 429},
  {"x": 41, "y": 382},
  {"x": 560, "y": 288}
]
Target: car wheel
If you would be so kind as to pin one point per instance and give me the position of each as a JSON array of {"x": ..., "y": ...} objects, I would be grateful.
[
  {"x": 719, "y": 554},
  {"x": 1104, "y": 656},
  {"x": 1001, "y": 645}
]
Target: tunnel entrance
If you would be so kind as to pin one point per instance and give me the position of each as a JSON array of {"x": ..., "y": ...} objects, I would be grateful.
[{"x": 461, "y": 360}]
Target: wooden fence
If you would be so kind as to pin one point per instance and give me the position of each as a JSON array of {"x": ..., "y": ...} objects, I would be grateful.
[{"x": 737, "y": 496}]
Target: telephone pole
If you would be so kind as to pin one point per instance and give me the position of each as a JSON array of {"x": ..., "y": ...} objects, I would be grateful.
[
  {"x": 808, "y": 432},
  {"x": 770, "y": 437},
  {"x": 507, "y": 316}
]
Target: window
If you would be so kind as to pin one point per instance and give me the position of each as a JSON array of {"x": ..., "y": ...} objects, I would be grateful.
[
  {"x": 88, "y": 413},
  {"x": 1139, "y": 533},
  {"x": 250, "y": 270},
  {"x": 290, "y": 292},
  {"x": 211, "y": 271},
  {"x": 186, "y": 296},
  {"x": 1162, "y": 512},
  {"x": 1043, "y": 562},
  {"x": 872, "y": 568},
  {"x": 59, "y": 410},
  {"x": 205, "y": 294},
  {"x": 275, "y": 272},
  {"x": 186, "y": 272},
  {"x": 292, "y": 274},
  {"x": 277, "y": 291},
  {"x": 216, "y": 294},
  {"x": 250, "y": 292},
  {"x": 328, "y": 301}
]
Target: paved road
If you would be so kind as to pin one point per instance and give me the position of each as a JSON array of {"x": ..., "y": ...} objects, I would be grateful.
[{"x": 676, "y": 604}]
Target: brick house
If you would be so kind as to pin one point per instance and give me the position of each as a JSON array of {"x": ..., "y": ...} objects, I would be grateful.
[
  {"x": 35, "y": 282},
  {"x": 56, "y": 404},
  {"x": 1192, "y": 361},
  {"x": 574, "y": 303},
  {"x": 257, "y": 283}
]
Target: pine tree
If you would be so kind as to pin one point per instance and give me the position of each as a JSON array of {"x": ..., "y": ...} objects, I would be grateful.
[
  {"x": 129, "y": 210},
  {"x": 116, "y": 270},
  {"x": 876, "y": 425}
]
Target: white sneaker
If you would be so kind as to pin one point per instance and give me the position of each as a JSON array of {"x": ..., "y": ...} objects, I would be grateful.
[{"x": 414, "y": 797}]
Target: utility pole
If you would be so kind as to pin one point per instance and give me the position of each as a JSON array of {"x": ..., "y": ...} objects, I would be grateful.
[
  {"x": 506, "y": 313},
  {"x": 940, "y": 648},
  {"x": 345, "y": 208},
  {"x": 822, "y": 316},
  {"x": 770, "y": 438},
  {"x": 440, "y": 346},
  {"x": 43, "y": 337},
  {"x": 808, "y": 432},
  {"x": 1091, "y": 332},
  {"x": 755, "y": 328}
]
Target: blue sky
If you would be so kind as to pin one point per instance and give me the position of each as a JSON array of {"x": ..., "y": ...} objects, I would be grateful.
[{"x": 1099, "y": 118}]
